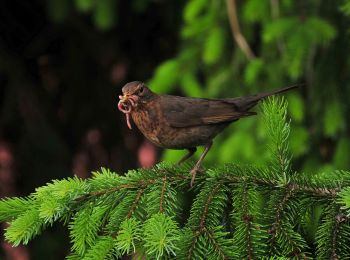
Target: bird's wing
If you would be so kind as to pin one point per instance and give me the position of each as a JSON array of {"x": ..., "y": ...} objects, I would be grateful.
[{"x": 186, "y": 112}]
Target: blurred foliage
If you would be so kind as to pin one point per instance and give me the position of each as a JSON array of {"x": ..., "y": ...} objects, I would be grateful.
[{"x": 294, "y": 41}]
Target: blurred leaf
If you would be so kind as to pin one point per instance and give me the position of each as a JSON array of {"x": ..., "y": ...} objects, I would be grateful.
[
  {"x": 239, "y": 146},
  {"x": 196, "y": 27},
  {"x": 166, "y": 76},
  {"x": 320, "y": 31},
  {"x": 84, "y": 5},
  {"x": 214, "y": 46},
  {"x": 299, "y": 138},
  {"x": 217, "y": 80},
  {"x": 253, "y": 70},
  {"x": 333, "y": 119},
  {"x": 345, "y": 8},
  {"x": 256, "y": 10},
  {"x": 287, "y": 4},
  {"x": 296, "y": 107},
  {"x": 296, "y": 54},
  {"x": 278, "y": 28},
  {"x": 300, "y": 37},
  {"x": 105, "y": 14},
  {"x": 341, "y": 159},
  {"x": 193, "y": 9},
  {"x": 58, "y": 10},
  {"x": 190, "y": 85}
]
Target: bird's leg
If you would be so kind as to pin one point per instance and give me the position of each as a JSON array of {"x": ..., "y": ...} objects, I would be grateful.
[
  {"x": 191, "y": 151},
  {"x": 199, "y": 162}
]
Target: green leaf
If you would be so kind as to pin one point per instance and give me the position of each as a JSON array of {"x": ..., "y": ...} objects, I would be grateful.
[
  {"x": 105, "y": 14},
  {"x": 214, "y": 46},
  {"x": 256, "y": 10},
  {"x": 296, "y": 107},
  {"x": 166, "y": 76},
  {"x": 194, "y": 8},
  {"x": 253, "y": 70},
  {"x": 279, "y": 28},
  {"x": 321, "y": 31},
  {"x": 190, "y": 85},
  {"x": 84, "y": 5},
  {"x": 197, "y": 27},
  {"x": 345, "y": 8}
]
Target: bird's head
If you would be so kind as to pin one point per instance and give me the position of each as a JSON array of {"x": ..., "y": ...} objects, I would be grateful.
[{"x": 134, "y": 94}]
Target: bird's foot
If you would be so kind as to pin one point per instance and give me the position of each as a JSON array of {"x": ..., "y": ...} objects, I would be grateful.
[{"x": 193, "y": 172}]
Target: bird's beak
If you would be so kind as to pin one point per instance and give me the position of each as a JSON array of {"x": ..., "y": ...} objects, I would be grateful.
[
  {"x": 123, "y": 98},
  {"x": 132, "y": 99}
]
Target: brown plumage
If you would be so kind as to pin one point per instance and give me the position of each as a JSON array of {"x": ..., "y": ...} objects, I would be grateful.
[{"x": 176, "y": 122}]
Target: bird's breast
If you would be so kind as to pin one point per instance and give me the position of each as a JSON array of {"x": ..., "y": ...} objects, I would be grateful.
[{"x": 149, "y": 121}]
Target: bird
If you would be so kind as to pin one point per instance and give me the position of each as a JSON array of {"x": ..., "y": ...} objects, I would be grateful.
[{"x": 176, "y": 122}]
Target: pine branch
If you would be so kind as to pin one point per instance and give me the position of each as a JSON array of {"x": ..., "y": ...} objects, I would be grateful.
[
  {"x": 248, "y": 234},
  {"x": 11, "y": 208},
  {"x": 143, "y": 212},
  {"x": 85, "y": 226},
  {"x": 283, "y": 239},
  {"x": 135, "y": 203},
  {"x": 161, "y": 236},
  {"x": 24, "y": 227},
  {"x": 129, "y": 235},
  {"x": 161, "y": 207},
  {"x": 333, "y": 235}
]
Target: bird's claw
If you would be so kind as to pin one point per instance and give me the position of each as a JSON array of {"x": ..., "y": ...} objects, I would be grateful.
[{"x": 193, "y": 172}]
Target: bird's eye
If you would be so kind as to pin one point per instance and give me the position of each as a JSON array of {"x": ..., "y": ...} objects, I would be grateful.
[{"x": 141, "y": 90}]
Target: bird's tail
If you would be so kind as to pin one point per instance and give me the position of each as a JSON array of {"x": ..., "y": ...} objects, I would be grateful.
[
  {"x": 246, "y": 103},
  {"x": 278, "y": 91}
]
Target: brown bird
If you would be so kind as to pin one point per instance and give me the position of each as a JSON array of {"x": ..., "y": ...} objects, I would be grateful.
[{"x": 176, "y": 122}]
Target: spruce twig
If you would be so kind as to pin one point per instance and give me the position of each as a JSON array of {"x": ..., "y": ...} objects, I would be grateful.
[{"x": 111, "y": 215}]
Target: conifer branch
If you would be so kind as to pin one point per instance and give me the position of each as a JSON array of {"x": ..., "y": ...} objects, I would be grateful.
[
  {"x": 161, "y": 207},
  {"x": 206, "y": 207},
  {"x": 247, "y": 219},
  {"x": 279, "y": 211},
  {"x": 113, "y": 216},
  {"x": 196, "y": 235},
  {"x": 215, "y": 243},
  {"x": 135, "y": 202},
  {"x": 338, "y": 220}
]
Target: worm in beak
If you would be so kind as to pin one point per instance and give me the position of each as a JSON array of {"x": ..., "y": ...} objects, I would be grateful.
[{"x": 126, "y": 104}]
